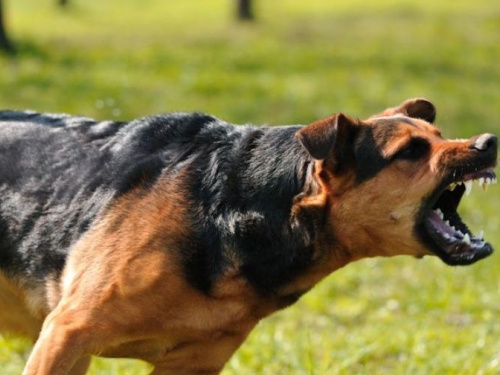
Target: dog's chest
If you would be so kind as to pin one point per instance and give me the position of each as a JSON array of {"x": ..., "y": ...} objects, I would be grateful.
[{"x": 15, "y": 315}]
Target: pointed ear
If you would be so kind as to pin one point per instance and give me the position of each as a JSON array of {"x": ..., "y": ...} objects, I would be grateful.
[
  {"x": 319, "y": 137},
  {"x": 416, "y": 108}
]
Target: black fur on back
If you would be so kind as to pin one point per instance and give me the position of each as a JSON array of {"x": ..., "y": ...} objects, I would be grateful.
[{"x": 58, "y": 173}]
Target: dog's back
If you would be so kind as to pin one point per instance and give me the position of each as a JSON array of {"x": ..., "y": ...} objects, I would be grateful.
[
  {"x": 51, "y": 188},
  {"x": 58, "y": 172}
]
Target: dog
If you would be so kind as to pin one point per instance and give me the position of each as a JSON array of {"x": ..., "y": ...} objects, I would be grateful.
[{"x": 168, "y": 238}]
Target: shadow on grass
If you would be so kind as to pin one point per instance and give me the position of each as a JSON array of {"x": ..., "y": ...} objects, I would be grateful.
[{"x": 29, "y": 49}]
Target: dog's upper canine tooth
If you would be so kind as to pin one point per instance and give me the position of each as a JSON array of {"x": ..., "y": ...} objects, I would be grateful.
[
  {"x": 452, "y": 186},
  {"x": 485, "y": 184},
  {"x": 439, "y": 213},
  {"x": 468, "y": 187}
]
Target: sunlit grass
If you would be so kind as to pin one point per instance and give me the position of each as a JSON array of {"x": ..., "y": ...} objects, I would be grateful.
[{"x": 301, "y": 60}]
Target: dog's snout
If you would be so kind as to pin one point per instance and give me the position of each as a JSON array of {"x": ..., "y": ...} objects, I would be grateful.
[{"x": 485, "y": 142}]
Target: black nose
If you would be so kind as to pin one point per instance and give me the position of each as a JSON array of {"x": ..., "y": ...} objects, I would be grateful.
[{"x": 485, "y": 142}]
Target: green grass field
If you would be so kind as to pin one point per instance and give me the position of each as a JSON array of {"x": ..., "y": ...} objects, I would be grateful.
[{"x": 300, "y": 61}]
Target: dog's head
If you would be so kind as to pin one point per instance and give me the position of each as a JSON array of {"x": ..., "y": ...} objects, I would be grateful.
[{"x": 391, "y": 184}]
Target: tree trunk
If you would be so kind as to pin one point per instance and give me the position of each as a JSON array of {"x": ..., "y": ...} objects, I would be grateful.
[
  {"x": 5, "y": 44},
  {"x": 245, "y": 12}
]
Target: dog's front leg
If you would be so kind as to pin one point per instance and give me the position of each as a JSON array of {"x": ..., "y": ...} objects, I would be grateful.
[
  {"x": 61, "y": 346},
  {"x": 81, "y": 366}
]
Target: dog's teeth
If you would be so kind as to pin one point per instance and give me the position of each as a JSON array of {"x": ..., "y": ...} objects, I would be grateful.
[
  {"x": 468, "y": 187},
  {"x": 480, "y": 244},
  {"x": 485, "y": 184},
  {"x": 480, "y": 235},
  {"x": 439, "y": 213},
  {"x": 447, "y": 222},
  {"x": 452, "y": 186},
  {"x": 460, "y": 233},
  {"x": 467, "y": 238}
]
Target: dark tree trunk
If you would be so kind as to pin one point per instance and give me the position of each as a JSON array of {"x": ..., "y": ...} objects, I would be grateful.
[
  {"x": 245, "y": 12},
  {"x": 5, "y": 44},
  {"x": 63, "y": 3}
]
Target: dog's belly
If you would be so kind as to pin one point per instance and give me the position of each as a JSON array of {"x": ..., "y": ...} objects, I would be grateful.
[
  {"x": 147, "y": 349},
  {"x": 15, "y": 316},
  {"x": 203, "y": 352}
]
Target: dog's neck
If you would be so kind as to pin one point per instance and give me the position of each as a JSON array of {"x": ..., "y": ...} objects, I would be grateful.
[{"x": 248, "y": 221}]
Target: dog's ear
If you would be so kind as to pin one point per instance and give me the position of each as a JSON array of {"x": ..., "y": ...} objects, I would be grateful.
[
  {"x": 417, "y": 108},
  {"x": 319, "y": 138}
]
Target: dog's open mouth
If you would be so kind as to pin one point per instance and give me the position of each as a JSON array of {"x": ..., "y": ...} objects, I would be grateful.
[{"x": 449, "y": 237}]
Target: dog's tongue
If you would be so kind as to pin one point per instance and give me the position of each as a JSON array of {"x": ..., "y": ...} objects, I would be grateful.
[{"x": 440, "y": 225}]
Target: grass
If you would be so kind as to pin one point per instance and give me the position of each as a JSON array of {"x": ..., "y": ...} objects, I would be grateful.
[{"x": 300, "y": 61}]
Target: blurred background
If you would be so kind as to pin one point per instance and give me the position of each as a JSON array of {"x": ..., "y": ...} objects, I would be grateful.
[{"x": 289, "y": 62}]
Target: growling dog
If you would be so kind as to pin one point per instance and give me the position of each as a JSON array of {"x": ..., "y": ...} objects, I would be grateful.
[{"x": 169, "y": 237}]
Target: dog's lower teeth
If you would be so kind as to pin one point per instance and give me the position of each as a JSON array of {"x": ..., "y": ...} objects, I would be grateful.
[
  {"x": 480, "y": 235},
  {"x": 478, "y": 245},
  {"x": 439, "y": 213},
  {"x": 467, "y": 238}
]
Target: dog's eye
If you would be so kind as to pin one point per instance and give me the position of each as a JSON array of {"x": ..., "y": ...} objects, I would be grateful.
[{"x": 414, "y": 150}]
